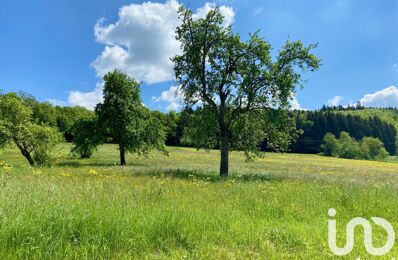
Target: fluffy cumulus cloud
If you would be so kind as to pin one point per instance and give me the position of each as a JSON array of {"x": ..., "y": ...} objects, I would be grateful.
[
  {"x": 335, "y": 101},
  {"x": 173, "y": 97},
  {"x": 86, "y": 99},
  {"x": 140, "y": 43},
  {"x": 387, "y": 97}
]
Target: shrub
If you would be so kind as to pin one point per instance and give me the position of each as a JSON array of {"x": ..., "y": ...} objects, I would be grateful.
[
  {"x": 331, "y": 146},
  {"x": 347, "y": 147},
  {"x": 373, "y": 148},
  {"x": 86, "y": 137},
  {"x": 46, "y": 144}
]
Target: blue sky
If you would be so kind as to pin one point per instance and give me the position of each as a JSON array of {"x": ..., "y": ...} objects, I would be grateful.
[{"x": 58, "y": 50}]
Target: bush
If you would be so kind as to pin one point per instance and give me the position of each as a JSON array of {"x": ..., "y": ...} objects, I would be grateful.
[
  {"x": 86, "y": 137},
  {"x": 46, "y": 144},
  {"x": 373, "y": 148},
  {"x": 347, "y": 147},
  {"x": 331, "y": 146}
]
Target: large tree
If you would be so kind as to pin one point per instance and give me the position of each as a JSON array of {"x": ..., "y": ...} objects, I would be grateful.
[
  {"x": 123, "y": 117},
  {"x": 234, "y": 81}
]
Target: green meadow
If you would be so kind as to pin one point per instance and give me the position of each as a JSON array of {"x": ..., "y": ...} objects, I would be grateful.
[{"x": 177, "y": 207}]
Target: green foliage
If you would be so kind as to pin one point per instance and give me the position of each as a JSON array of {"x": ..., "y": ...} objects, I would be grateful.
[
  {"x": 231, "y": 79},
  {"x": 172, "y": 123},
  {"x": 45, "y": 141},
  {"x": 38, "y": 143},
  {"x": 67, "y": 116},
  {"x": 247, "y": 133},
  {"x": 331, "y": 147},
  {"x": 45, "y": 113},
  {"x": 87, "y": 136},
  {"x": 205, "y": 136},
  {"x": 61, "y": 117},
  {"x": 123, "y": 118},
  {"x": 368, "y": 148},
  {"x": 373, "y": 148},
  {"x": 349, "y": 147},
  {"x": 280, "y": 130},
  {"x": 315, "y": 124}
]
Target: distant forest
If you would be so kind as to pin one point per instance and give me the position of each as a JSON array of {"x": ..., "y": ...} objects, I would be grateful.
[
  {"x": 315, "y": 124},
  {"x": 357, "y": 121}
]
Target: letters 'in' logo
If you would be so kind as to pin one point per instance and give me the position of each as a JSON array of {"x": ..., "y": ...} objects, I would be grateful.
[{"x": 367, "y": 227}]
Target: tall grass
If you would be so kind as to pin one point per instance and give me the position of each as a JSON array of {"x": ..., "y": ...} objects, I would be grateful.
[{"x": 177, "y": 207}]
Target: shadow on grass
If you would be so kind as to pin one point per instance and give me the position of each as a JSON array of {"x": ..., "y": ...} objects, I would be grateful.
[{"x": 210, "y": 176}]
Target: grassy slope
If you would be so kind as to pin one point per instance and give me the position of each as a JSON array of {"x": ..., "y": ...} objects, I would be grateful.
[{"x": 174, "y": 206}]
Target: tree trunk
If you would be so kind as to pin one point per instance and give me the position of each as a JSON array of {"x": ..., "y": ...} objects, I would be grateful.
[
  {"x": 28, "y": 157},
  {"x": 25, "y": 152},
  {"x": 224, "y": 148},
  {"x": 122, "y": 154}
]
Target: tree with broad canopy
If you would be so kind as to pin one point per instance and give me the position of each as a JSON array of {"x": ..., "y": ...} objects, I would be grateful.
[
  {"x": 123, "y": 117},
  {"x": 234, "y": 82}
]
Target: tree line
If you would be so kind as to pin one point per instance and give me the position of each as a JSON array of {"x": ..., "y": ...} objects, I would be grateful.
[{"x": 316, "y": 124}]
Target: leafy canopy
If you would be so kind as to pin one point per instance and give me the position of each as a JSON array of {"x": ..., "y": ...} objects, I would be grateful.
[
  {"x": 38, "y": 143},
  {"x": 123, "y": 118},
  {"x": 233, "y": 81},
  {"x": 345, "y": 146}
]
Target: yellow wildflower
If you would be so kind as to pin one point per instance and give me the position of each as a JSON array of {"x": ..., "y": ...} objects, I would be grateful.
[{"x": 92, "y": 172}]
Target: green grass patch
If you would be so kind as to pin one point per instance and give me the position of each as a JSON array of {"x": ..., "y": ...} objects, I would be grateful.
[{"x": 177, "y": 207}]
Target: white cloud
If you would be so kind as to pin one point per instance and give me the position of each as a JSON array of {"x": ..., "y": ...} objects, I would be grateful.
[
  {"x": 335, "y": 101},
  {"x": 86, "y": 99},
  {"x": 294, "y": 104},
  {"x": 226, "y": 11},
  {"x": 142, "y": 40},
  {"x": 173, "y": 97},
  {"x": 140, "y": 43},
  {"x": 57, "y": 102},
  {"x": 387, "y": 97},
  {"x": 256, "y": 11}
]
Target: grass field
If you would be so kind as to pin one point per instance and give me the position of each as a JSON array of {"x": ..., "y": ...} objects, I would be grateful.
[{"x": 176, "y": 206}]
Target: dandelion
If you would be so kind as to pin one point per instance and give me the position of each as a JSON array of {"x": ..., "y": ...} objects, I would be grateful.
[{"x": 92, "y": 172}]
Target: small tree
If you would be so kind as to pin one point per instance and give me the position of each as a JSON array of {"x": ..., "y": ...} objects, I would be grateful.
[
  {"x": 123, "y": 117},
  {"x": 231, "y": 81},
  {"x": 87, "y": 136},
  {"x": 37, "y": 143},
  {"x": 331, "y": 146},
  {"x": 45, "y": 142},
  {"x": 373, "y": 149},
  {"x": 349, "y": 147}
]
